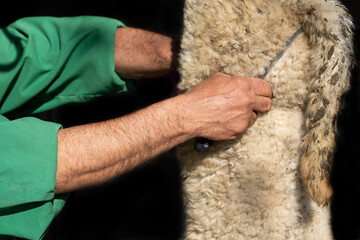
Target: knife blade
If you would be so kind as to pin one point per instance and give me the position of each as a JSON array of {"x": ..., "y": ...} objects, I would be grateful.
[{"x": 280, "y": 54}]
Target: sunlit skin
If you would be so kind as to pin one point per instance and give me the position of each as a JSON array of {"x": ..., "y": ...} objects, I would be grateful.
[{"x": 220, "y": 108}]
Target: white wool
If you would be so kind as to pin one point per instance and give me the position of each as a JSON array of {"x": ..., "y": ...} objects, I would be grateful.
[{"x": 273, "y": 182}]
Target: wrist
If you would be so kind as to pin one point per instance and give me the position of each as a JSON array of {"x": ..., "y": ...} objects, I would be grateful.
[{"x": 183, "y": 117}]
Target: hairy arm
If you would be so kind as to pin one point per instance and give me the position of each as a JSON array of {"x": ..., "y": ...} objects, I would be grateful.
[
  {"x": 95, "y": 153},
  {"x": 140, "y": 53}
]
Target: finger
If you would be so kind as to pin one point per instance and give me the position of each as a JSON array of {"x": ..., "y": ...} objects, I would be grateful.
[
  {"x": 221, "y": 74},
  {"x": 261, "y": 87},
  {"x": 262, "y": 104},
  {"x": 252, "y": 118}
]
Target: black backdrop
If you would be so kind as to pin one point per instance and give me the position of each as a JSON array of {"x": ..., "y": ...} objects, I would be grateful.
[{"x": 147, "y": 202}]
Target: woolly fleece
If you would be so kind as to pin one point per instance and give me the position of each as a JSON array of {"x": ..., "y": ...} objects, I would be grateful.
[{"x": 273, "y": 182}]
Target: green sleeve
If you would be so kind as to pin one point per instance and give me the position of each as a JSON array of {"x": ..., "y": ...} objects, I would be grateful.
[
  {"x": 28, "y": 158},
  {"x": 47, "y": 62}
]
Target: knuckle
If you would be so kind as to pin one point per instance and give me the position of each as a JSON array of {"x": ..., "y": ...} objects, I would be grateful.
[
  {"x": 242, "y": 128},
  {"x": 247, "y": 101},
  {"x": 244, "y": 82},
  {"x": 264, "y": 86},
  {"x": 218, "y": 74},
  {"x": 235, "y": 128},
  {"x": 268, "y": 104},
  {"x": 268, "y": 89}
]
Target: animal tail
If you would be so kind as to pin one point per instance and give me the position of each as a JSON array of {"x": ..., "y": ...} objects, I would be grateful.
[{"x": 329, "y": 28}]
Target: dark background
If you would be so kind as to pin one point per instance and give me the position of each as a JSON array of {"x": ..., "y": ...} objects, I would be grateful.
[{"x": 147, "y": 202}]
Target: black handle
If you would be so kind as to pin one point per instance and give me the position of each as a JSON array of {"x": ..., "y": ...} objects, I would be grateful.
[{"x": 203, "y": 144}]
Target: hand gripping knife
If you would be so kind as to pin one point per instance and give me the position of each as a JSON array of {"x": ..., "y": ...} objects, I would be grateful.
[{"x": 203, "y": 144}]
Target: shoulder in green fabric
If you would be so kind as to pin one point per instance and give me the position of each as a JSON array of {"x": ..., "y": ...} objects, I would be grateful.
[
  {"x": 45, "y": 62},
  {"x": 48, "y": 62}
]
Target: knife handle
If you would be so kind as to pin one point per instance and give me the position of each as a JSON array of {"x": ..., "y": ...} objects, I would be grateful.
[{"x": 203, "y": 144}]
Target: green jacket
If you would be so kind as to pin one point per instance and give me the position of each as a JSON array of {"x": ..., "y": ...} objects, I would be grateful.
[{"x": 45, "y": 62}]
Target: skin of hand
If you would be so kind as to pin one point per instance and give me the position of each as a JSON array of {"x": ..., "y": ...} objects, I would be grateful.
[
  {"x": 221, "y": 107},
  {"x": 224, "y": 106}
]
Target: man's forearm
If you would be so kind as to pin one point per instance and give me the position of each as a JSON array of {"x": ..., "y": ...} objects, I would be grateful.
[
  {"x": 94, "y": 153},
  {"x": 140, "y": 53}
]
